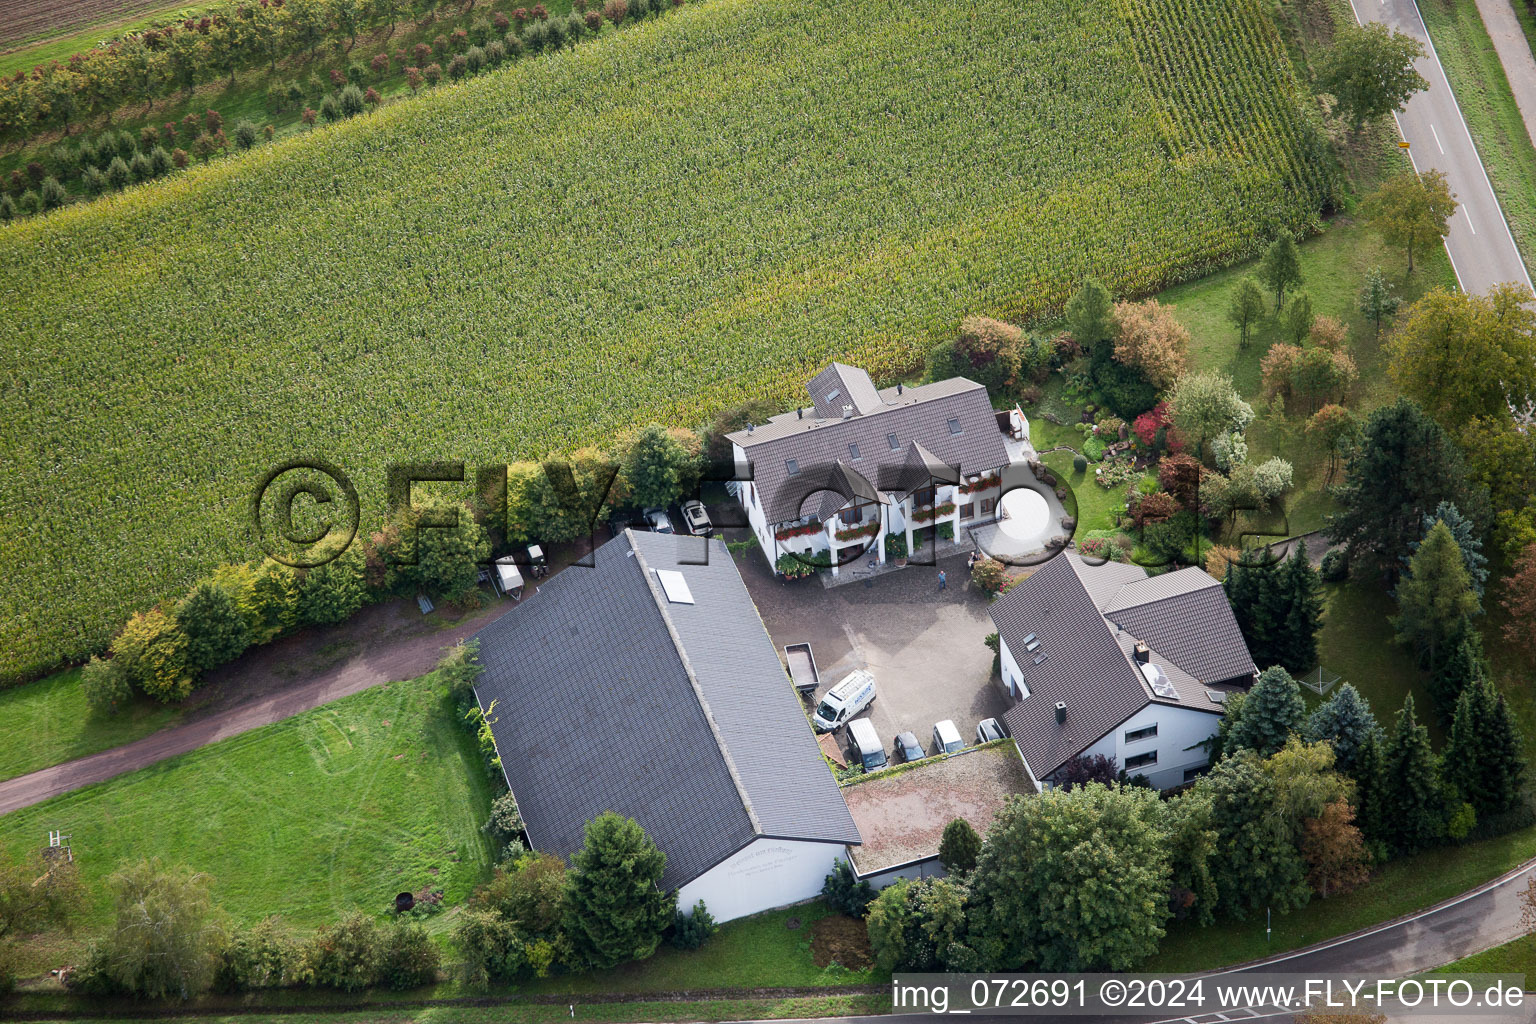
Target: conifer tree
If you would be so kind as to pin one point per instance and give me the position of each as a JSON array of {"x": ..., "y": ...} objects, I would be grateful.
[
  {"x": 1303, "y": 594},
  {"x": 1369, "y": 797},
  {"x": 1413, "y": 806},
  {"x": 1464, "y": 753},
  {"x": 1503, "y": 754},
  {"x": 1464, "y": 667},
  {"x": 1270, "y": 714},
  {"x": 1345, "y": 721},
  {"x": 1436, "y": 599},
  {"x": 214, "y": 626},
  {"x": 615, "y": 909}
]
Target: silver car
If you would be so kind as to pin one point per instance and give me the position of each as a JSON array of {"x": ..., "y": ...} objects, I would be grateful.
[
  {"x": 990, "y": 729},
  {"x": 697, "y": 518}
]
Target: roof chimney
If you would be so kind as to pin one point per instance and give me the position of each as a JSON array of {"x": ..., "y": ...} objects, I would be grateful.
[
  {"x": 847, "y": 412},
  {"x": 1061, "y": 712},
  {"x": 1143, "y": 654}
]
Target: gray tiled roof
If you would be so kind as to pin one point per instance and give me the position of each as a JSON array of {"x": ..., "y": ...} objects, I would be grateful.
[
  {"x": 915, "y": 414},
  {"x": 610, "y": 697},
  {"x": 839, "y": 385},
  {"x": 1089, "y": 664}
]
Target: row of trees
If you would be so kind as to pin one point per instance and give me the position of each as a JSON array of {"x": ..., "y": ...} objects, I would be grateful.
[{"x": 1086, "y": 876}]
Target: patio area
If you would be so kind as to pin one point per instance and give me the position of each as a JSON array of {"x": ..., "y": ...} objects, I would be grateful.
[{"x": 1030, "y": 529}]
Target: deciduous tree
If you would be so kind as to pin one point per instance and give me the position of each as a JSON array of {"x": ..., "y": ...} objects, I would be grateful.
[
  {"x": 1205, "y": 405},
  {"x": 165, "y": 936},
  {"x": 1370, "y": 71},
  {"x": 1280, "y": 270},
  {"x": 1412, "y": 210},
  {"x": 1245, "y": 308},
  {"x": 1377, "y": 303},
  {"x": 1519, "y": 603},
  {"x": 1334, "y": 850},
  {"x": 153, "y": 651},
  {"x": 1334, "y": 429},
  {"x": 1149, "y": 338},
  {"x": 1256, "y": 864}
]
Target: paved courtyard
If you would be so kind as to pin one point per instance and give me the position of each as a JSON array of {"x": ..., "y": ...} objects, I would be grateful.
[{"x": 924, "y": 646}]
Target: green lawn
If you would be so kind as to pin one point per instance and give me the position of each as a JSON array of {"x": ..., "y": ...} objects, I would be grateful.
[
  {"x": 332, "y": 811},
  {"x": 1401, "y": 887},
  {"x": 1357, "y": 643},
  {"x": 1472, "y": 66},
  {"x": 48, "y": 722},
  {"x": 1088, "y": 501}
]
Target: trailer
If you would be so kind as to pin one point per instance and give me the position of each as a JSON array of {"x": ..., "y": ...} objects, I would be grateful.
[
  {"x": 508, "y": 579},
  {"x": 802, "y": 667}
]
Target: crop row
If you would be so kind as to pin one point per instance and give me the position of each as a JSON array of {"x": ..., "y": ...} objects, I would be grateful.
[{"x": 647, "y": 228}]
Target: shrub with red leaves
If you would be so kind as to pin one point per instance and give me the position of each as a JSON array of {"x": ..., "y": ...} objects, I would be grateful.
[
  {"x": 594, "y": 20},
  {"x": 337, "y": 78},
  {"x": 540, "y": 12},
  {"x": 380, "y": 63},
  {"x": 372, "y": 96},
  {"x": 500, "y": 21},
  {"x": 422, "y": 52}
]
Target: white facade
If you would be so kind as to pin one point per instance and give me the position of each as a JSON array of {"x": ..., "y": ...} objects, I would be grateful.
[
  {"x": 1012, "y": 677},
  {"x": 1173, "y": 745},
  {"x": 767, "y": 873}
]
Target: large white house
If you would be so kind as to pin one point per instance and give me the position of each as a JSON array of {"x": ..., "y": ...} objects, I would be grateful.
[
  {"x": 1105, "y": 659},
  {"x": 647, "y": 685},
  {"x": 834, "y": 479}
]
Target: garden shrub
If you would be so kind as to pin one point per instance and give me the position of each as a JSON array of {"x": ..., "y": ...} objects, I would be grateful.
[
  {"x": 347, "y": 956},
  {"x": 1335, "y": 566},
  {"x": 52, "y": 195},
  {"x": 489, "y": 946},
  {"x": 1079, "y": 464},
  {"x": 261, "y": 956},
  {"x": 408, "y": 958},
  {"x": 845, "y": 893},
  {"x": 105, "y": 684},
  {"x": 352, "y": 102},
  {"x": 505, "y": 823},
  {"x": 690, "y": 931},
  {"x": 989, "y": 575},
  {"x": 895, "y": 545}
]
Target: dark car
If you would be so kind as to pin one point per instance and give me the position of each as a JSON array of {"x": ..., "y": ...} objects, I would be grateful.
[{"x": 907, "y": 746}]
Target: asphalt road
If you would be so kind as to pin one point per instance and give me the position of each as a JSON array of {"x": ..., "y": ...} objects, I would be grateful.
[{"x": 1481, "y": 248}]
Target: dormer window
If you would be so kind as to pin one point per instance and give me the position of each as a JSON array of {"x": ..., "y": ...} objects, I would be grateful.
[{"x": 792, "y": 466}]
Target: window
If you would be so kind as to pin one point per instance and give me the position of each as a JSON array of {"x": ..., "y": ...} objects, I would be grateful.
[
  {"x": 890, "y": 439},
  {"x": 922, "y": 497},
  {"x": 852, "y": 516},
  {"x": 968, "y": 510},
  {"x": 1140, "y": 761},
  {"x": 954, "y": 427},
  {"x": 832, "y": 395},
  {"x": 792, "y": 466},
  {"x": 853, "y": 452},
  {"x": 1141, "y": 734},
  {"x": 1191, "y": 774},
  {"x": 987, "y": 505}
]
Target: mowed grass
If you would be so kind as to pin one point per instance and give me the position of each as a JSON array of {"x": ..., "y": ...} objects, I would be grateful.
[
  {"x": 79, "y": 27},
  {"x": 703, "y": 208},
  {"x": 1482, "y": 91},
  {"x": 332, "y": 811},
  {"x": 48, "y": 722}
]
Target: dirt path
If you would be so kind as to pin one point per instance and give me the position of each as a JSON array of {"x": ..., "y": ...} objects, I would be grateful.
[
  {"x": 1515, "y": 54},
  {"x": 383, "y": 644}
]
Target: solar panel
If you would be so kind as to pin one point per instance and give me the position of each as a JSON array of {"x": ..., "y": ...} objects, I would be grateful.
[{"x": 1159, "y": 681}]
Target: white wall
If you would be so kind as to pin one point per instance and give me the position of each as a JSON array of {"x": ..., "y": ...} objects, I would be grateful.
[
  {"x": 768, "y": 873},
  {"x": 747, "y": 493},
  {"x": 1013, "y": 678},
  {"x": 1177, "y": 728},
  {"x": 926, "y": 868}
]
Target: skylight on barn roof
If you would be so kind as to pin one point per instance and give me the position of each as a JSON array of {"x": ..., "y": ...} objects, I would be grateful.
[{"x": 675, "y": 586}]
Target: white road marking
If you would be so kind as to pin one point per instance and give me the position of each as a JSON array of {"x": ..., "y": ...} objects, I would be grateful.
[
  {"x": 1469, "y": 219},
  {"x": 1437, "y": 140}
]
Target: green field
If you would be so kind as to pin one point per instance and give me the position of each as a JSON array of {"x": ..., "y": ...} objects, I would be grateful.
[
  {"x": 48, "y": 722},
  {"x": 335, "y": 810},
  {"x": 702, "y": 208}
]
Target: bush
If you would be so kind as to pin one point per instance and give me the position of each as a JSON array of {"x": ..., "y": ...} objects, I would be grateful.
[
  {"x": 1335, "y": 567},
  {"x": 95, "y": 183},
  {"x": 616, "y": 10},
  {"x": 330, "y": 109},
  {"x": 409, "y": 958},
  {"x": 105, "y": 685},
  {"x": 689, "y": 931},
  {"x": 989, "y": 576},
  {"x": 180, "y": 159},
  {"x": 505, "y": 823},
  {"x": 141, "y": 168},
  {"x": 495, "y": 53},
  {"x": 895, "y": 545},
  {"x": 262, "y": 956},
  {"x": 160, "y": 161},
  {"x": 356, "y": 73},
  {"x": 118, "y": 174},
  {"x": 380, "y": 63},
  {"x": 347, "y": 956},
  {"x": 1079, "y": 464},
  {"x": 554, "y": 29},
  {"x": 491, "y": 948},
  {"x": 352, "y": 101},
  {"x": 531, "y": 894},
  {"x": 433, "y": 73},
  {"x": 514, "y": 44},
  {"x": 474, "y": 60},
  {"x": 51, "y": 194},
  {"x": 594, "y": 20},
  {"x": 153, "y": 652},
  {"x": 245, "y": 135},
  {"x": 458, "y": 67},
  {"x": 959, "y": 846},
  {"x": 845, "y": 893}
]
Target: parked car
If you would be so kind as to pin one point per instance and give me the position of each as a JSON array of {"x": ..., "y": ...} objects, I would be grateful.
[
  {"x": 864, "y": 745},
  {"x": 907, "y": 746},
  {"x": 990, "y": 729},
  {"x": 658, "y": 520},
  {"x": 854, "y": 693},
  {"x": 697, "y": 517},
  {"x": 946, "y": 738},
  {"x": 622, "y": 521}
]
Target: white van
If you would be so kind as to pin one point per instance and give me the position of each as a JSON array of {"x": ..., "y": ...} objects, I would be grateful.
[
  {"x": 855, "y": 693},
  {"x": 864, "y": 742}
]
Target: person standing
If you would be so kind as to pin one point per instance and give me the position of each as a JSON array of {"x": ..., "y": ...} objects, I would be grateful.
[{"x": 942, "y": 579}]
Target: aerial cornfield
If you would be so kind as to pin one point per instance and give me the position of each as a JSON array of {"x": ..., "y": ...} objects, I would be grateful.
[{"x": 648, "y": 227}]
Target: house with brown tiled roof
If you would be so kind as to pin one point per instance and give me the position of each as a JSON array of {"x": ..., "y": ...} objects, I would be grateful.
[
  {"x": 831, "y": 481},
  {"x": 1105, "y": 659}
]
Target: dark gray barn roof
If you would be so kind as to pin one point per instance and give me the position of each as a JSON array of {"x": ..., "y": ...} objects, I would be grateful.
[
  {"x": 1088, "y": 665},
  {"x": 822, "y": 437},
  {"x": 608, "y": 696}
]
